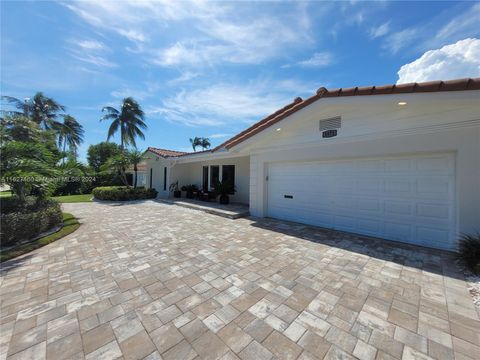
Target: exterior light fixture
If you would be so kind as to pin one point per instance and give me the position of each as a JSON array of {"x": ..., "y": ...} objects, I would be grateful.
[
  {"x": 279, "y": 129},
  {"x": 402, "y": 103}
]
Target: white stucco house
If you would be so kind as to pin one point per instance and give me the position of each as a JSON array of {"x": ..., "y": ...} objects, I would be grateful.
[{"x": 399, "y": 162}]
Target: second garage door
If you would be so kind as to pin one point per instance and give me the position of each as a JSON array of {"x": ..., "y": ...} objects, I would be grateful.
[{"x": 404, "y": 198}]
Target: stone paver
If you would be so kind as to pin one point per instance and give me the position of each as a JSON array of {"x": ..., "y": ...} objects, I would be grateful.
[{"x": 148, "y": 280}]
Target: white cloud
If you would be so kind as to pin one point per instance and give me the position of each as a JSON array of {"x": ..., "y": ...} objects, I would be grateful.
[
  {"x": 434, "y": 33},
  {"x": 466, "y": 23},
  {"x": 184, "y": 76},
  {"x": 91, "y": 45},
  {"x": 401, "y": 39},
  {"x": 379, "y": 31},
  {"x": 219, "y": 136},
  {"x": 90, "y": 51},
  {"x": 205, "y": 32},
  {"x": 220, "y": 104},
  {"x": 318, "y": 59},
  {"x": 458, "y": 60}
]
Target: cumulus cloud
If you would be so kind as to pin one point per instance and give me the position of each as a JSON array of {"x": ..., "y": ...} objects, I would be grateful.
[{"x": 453, "y": 61}]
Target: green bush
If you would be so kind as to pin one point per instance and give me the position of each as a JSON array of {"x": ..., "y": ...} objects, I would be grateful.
[
  {"x": 469, "y": 252},
  {"x": 25, "y": 220},
  {"x": 123, "y": 193}
]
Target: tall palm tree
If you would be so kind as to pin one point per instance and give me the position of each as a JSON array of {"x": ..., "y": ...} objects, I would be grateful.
[
  {"x": 205, "y": 143},
  {"x": 41, "y": 109},
  {"x": 135, "y": 157},
  {"x": 129, "y": 120},
  {"x": 70, "y": 133},
  {"x": 196, "y": 141}
]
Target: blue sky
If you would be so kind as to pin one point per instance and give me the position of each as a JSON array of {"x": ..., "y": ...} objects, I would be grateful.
[{"x": 213, "y": 68}]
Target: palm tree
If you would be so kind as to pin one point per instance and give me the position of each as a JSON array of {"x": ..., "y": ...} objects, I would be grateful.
[
  {"x": 205, "y": 143},
  {"x": 196, "y": 141},
  {"x": 129, "y": 120},
  {"x": 135, "y": 157},
  {"x": 70, "y": 133},
  {"x": 41, "y": 109}
]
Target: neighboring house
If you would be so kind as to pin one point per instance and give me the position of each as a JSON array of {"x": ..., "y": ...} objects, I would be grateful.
[
  {"x": 400, "y": 162},
  {"x": 141, "y": 176}
]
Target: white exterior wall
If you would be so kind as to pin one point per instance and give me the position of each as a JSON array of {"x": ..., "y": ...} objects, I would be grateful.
[
  {"x": 192, "y": 173},
  {"x": 430, "y": 124},
  {"x": 156, "y": 165}
]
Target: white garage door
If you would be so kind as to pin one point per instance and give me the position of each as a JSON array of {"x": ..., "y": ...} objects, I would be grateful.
[{"x": 409, "y": 199}]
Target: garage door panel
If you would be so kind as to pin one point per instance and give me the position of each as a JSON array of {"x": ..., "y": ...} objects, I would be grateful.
[
  {"x": 408, "y": 198},
  {"x": 393, "y": 207},
  {"x": 435, "y": 211}
]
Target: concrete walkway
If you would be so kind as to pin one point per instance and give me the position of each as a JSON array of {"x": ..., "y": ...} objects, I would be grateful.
[{"x": 156, "y": 281}]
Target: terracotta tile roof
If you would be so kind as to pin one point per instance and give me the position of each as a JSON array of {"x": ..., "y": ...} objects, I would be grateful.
[
  {"x": 298, "y": 103},
  {"x": 166, "y": 153}
]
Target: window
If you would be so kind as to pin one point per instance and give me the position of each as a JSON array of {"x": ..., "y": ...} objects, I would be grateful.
[
  {"x": 214, "y": 175},
  {"x": 165, "y": 178},
  {"x": 150, "y": 178},
  {"x": 205, "y": 179},
  {"x": 228, "y": 176}
]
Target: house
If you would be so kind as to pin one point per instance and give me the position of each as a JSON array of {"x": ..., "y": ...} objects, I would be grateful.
[
  {"x": 141, "y": 177},
  {"x": 400, "y": 162}
]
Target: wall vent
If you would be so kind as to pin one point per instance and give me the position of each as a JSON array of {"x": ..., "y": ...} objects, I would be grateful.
[{"x": 331, "y": 123}]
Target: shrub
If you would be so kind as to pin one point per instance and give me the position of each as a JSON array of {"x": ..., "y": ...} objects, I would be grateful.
[
  {"x": 469, "y": 252},
  {"x": 123, "y": 193},
  {"x": 25, "y": 220}
]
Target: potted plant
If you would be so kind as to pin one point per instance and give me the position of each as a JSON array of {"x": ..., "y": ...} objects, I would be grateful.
[
  {"x": 223, "y": 189},
  {"x": 190, "y": 190},
  {"x": 174, "y": 188}
]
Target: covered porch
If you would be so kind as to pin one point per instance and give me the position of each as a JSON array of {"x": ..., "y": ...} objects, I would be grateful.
[{"x": 205, "y": 173}]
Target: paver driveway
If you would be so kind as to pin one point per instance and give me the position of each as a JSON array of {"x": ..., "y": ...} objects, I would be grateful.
[{"x": 157, "y": 281}]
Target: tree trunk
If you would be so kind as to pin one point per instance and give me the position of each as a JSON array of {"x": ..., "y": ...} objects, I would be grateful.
[
  {"x": 64, "y": 147},
  {"x": 135, "y": 169}
]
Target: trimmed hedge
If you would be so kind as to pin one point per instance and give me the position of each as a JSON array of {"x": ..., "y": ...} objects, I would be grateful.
[
  {"x": 123, "y": 193},
  {"x": 26, "y": 220}
]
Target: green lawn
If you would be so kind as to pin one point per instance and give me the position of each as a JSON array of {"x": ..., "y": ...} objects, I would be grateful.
[
  {"x": 73, "y": 198},
  {"x": 70, "y": 224},
  {"x": 5, "y": 194}
]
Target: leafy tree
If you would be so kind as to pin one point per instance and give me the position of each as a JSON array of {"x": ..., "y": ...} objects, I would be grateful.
[
  {"x": 135, "y": 157},
  {"x": 205, "y": 143},
  {"x": 196, "y": 141},
  {"x": 117, "y": 164},
  {"x": 70, "y": 133},
  {"x": 129, "y": 120},
  {"x": 41, "y": 109},
  {"x": 27, "y": 161},
  {"x": 98, "y": 154}
]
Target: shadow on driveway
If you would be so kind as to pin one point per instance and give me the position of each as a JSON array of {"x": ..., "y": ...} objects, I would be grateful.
[{"x": 426, "y": 259}]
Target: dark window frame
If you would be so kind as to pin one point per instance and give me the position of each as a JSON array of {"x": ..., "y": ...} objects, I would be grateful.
[
  {"x": 164, "y": 178},
  {"x": 225, "y": 176},
  {"x": 205, "y": 178},
  {"x": 214, "y": 177}
]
